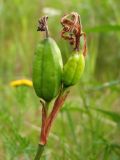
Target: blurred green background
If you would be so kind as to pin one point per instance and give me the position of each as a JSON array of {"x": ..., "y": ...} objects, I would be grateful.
[{"x": 88, "y": 126}]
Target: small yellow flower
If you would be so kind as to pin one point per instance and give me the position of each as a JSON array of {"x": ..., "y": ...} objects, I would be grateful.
[{"x": 21, "y": 82}]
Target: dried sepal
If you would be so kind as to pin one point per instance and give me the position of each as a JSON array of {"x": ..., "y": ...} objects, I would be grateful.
[{"x": 72, "y": 30}]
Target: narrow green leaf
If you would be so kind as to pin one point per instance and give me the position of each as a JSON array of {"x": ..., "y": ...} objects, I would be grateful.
[
  {"x": 71, "y": 107},
  {"x": 105, "y": 85},
  {"x": 104, "y": 28},
  {"x": 113, "y": 115}
]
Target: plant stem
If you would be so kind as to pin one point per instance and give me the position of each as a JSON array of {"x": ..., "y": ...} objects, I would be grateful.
[
  {"x": 47, "y": 120},
  {"x": 57, "y": 106},
  {"x": 39, "y": 152}
]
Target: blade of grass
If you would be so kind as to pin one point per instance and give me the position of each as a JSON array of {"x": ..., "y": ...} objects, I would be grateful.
[
  {"x": 106, "y": 85},
  {"x": 73, "y": 134},
  {"x": 104, "y": 28},
  {"x": 113, "y": 115}
]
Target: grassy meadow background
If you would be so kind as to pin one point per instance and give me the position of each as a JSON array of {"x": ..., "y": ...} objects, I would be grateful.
[{"x": 88, "y": 126}]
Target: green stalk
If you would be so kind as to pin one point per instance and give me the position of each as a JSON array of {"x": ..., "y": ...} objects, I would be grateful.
[{"x": 39, "y": 152}]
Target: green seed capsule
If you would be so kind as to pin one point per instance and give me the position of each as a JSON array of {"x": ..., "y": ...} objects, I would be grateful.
[
  {"x": 73, "y": 69},
  {"x": 47, "y": 69}
]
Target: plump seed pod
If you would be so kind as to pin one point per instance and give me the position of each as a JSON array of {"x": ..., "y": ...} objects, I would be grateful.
[
  {"x": 47, "y": 69},
  {"x": 73, "y": 69},
  {"x": 72, "y": 32}
]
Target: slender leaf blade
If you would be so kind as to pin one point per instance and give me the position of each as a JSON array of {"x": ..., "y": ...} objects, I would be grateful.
[{"x": 103, "y": 28}]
